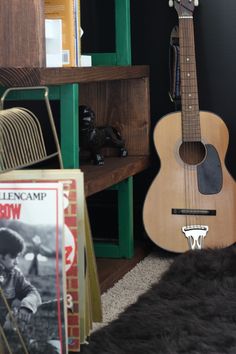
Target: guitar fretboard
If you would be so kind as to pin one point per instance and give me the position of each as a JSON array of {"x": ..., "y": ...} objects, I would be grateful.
[{"x": 189, "y": 91}]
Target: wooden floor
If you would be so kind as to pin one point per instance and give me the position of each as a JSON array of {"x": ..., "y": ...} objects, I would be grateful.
[{"x": 111, "y": 270}]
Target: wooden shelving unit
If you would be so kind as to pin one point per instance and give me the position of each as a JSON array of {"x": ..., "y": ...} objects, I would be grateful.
[
  {"x": 117, "y": 93},
  {"x": 120, "y": 97}
]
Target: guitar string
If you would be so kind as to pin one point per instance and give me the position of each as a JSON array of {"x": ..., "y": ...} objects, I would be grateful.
[
  {"x": 188, "y": 122},
  {"x": 190, "y": 125},
  {"x": 190, "y": 178},
  {"x": 196, "y": 123},
  {"x": 185, "y": 152},
  {"x": 182, "y": 113},
  {"x": 192, "y": 122}
]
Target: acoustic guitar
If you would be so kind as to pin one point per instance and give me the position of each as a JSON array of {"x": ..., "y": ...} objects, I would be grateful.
[{"x": 191, "y": 203}]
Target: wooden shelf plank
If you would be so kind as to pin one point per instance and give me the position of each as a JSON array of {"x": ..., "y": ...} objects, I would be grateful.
[
  {"x": 113, "y": 171},
  {"x": 18, "y": 77}
]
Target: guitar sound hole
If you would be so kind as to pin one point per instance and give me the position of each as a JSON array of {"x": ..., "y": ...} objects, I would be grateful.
[{"x": 192, "y": 153}]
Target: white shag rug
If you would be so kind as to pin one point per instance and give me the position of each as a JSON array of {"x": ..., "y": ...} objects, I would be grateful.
[{"x": 136, "y": 282}]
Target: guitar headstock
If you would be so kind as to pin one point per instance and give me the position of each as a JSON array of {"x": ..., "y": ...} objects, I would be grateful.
[{"x": 184, "y": 7}]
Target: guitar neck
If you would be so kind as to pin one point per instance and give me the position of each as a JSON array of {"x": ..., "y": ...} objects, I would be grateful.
[{"x": 189, "y": 91}]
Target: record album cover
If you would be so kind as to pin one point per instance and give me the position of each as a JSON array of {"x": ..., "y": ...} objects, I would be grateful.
[{"x": 32, "y": 276}]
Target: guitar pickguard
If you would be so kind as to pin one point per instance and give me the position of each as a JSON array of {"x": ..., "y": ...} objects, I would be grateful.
[{"x": 209, "y": 172}]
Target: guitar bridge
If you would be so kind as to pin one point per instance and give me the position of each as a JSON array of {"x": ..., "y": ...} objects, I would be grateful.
[{"x": 195, "y": 235}]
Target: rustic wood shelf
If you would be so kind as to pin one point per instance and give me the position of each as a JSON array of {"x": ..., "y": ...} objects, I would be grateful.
[
  {"x": 113, "y": 171},
  {"x": 13, "y": 77}
]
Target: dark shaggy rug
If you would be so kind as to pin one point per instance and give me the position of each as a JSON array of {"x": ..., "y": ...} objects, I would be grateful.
[{"x": 192, "y": 310}]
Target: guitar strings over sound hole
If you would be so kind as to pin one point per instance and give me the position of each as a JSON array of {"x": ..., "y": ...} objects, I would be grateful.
[{"x": 192, "y": 153}]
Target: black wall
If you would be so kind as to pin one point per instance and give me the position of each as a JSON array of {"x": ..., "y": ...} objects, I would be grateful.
[{"x": 98, "y": 22}]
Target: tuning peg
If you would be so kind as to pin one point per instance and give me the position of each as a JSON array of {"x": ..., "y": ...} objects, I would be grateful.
[
  {"x": 196, "y": 2},
  {"x": 171, "y": 3}
]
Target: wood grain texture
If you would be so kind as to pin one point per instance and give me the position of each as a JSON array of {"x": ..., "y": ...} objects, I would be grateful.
[
  {"x": 22, "y": 34},
  {"x": 19, "y": 77},
  {"x": 113, "y": 171},
  {"x": 26, "y": 76},
  {"x": 175, "y": 186},
  {"x": 123, "y": 104},
  {"x": 56, "y": 76}
]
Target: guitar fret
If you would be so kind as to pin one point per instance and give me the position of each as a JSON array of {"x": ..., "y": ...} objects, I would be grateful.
[
  {"x": 190, "y": 124},
  {"x": 190, "y": 97},
  {"x": 184, "y": 46},
  {"x": 188, "y": 103},
  {"x": 190, "y": 129},
  {"x": 188, "y": 83},
  {"x": 186, "y": 106},
  {"x": 193, "y": 132},
  {"x": 193, "y": 128},
  {"x": 191, "y": 100},
  {"x": 188, "y": 100},
  {"x": 187, "y": 114},
  {"x": 190, "y": 71},
  {"x": 189, "y": 54},
  {"x": 190, "y": 136},
  {"x": 188, "y": 75}
]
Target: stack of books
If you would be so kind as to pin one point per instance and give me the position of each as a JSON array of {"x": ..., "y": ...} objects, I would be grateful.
[{"x": 53, "y": 298}]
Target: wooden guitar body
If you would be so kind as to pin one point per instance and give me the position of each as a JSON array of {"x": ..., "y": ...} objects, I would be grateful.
[{"x": 193, "y": 188}]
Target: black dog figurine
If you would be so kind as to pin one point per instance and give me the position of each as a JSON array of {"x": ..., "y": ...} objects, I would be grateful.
[{"x": 94, "y": 138}]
